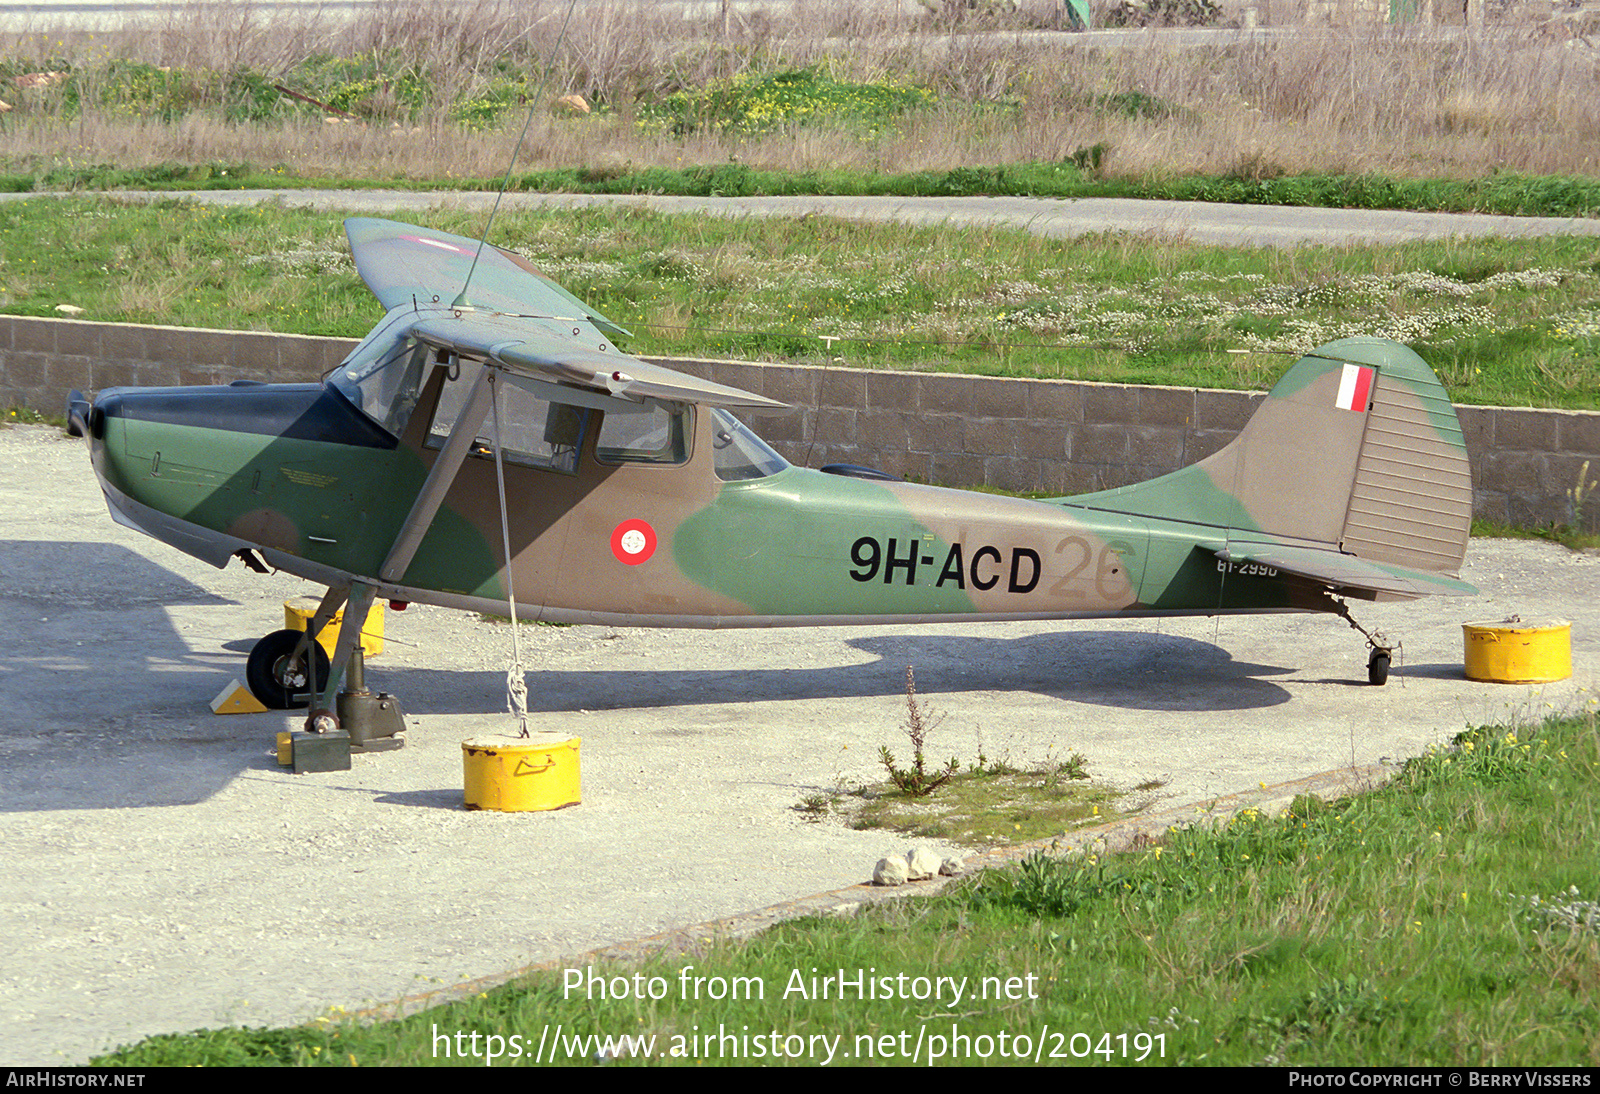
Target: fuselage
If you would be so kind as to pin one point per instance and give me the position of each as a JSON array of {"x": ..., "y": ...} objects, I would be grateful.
[{"x": 641, "y": 532}]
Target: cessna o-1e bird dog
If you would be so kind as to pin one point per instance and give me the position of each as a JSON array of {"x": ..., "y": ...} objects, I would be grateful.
[{"x": 501, "y": 446}]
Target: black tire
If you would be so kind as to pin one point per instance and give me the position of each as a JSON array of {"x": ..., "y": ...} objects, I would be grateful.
[
  {"x": 279, "y": 679},
  {"x": 1378, "y": 668}
]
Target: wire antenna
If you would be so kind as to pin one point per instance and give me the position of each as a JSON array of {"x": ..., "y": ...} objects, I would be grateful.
[{"x": 461, "y": 301}]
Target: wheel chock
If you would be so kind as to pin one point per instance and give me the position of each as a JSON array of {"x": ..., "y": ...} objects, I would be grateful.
[{"x": 236, "y": 699}]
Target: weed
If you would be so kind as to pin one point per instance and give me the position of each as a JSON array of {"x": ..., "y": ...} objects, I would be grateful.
[
  {"x": 1073, "y": 768},
  {"x": 815, "y": 806},
  {"x": 23, "y": 415},
  {"x": 754, "y": 103},
  {"x": 994, "y": 768},
  {"x": 1568, "y": 910},
  {"x": 1580, "y": 493},
  {"x": 916, "y": 780}
]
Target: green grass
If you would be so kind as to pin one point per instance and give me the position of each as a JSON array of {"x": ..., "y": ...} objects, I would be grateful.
[
  {"x": 1076, "y": 176},
  {"x": 1564, "y": 534},
  {"x": 986, "y": 805},
  {"x": 764, "y": 101},
  {"x": 1503, "y": 322},
  {"x": 1448, "y": 919}
]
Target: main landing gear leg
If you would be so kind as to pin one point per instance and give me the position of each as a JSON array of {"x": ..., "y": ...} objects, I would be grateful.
[
  {"x": 1382, "y": 650},
  {"x": 322, "y": 718},
  {"x": 288, "y": 668},
  {"x": 373, "y": 722}
]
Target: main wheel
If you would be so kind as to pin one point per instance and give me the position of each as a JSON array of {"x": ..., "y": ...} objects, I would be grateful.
[
  {"x": 1378, "y": 668},
  {"x": 280, "y": 679}
]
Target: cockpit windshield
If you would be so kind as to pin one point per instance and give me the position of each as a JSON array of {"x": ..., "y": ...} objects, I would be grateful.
[
  {"x": 738, "y": 453},
  {"x": 383, "y": 375}
]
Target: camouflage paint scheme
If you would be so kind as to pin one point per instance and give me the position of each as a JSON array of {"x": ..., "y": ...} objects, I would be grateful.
[{"x": 1350, "y": 480}]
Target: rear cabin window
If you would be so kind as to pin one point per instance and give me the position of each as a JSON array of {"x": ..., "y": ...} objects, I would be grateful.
[
  {"x": 650, "y": 433},
  {"x": 534, "y": 431}
]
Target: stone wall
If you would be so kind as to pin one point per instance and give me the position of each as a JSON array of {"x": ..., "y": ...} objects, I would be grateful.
[{"x": 1057, "y": 436}]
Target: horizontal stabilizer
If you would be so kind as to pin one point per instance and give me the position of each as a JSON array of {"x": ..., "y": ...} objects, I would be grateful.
[{"x": 1342, "y": 571}]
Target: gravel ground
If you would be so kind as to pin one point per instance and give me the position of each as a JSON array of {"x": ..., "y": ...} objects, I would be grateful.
[{"x": 163, "y": 873}]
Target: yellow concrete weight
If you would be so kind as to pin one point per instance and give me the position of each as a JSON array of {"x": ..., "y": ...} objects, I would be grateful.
[
  {"x": 297, "y": 614},
  {"x": 518, "y": 774},
  {"x": 1514, "y": 652}
]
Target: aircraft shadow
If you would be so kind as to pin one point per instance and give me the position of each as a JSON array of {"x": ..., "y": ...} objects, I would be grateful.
[
  {"x": 50, "y": 573},
  {"x": 1446, "y": 671},
  {"x": 1100, "y": 668},
  {"x": 98, "y": 707}
]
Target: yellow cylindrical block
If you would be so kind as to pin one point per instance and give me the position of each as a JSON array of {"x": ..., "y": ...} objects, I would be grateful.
[
  {"x": 515, "y": 774},
  {"x": 297, "y": 615},
  {"x": 1514, "y": 652}
]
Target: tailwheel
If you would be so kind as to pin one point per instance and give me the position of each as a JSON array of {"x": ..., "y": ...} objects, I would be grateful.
[
  {"x": 282, "y": 680},
  {"x": 1382, "y": 649},
  {"x": 1378, "y": 667}
]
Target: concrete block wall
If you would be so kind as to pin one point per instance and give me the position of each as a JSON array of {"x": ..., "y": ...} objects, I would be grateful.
[
  {"x": 1530, "y": 466},
  {"x": 42, "y": 359},
  {"x": 1054, "y": 436}
]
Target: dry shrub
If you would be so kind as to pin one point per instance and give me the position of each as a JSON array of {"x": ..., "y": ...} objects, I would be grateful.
[{"x": 1361, "y": 100}]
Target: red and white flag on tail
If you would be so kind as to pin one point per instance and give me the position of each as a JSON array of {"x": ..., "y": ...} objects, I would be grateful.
[{"x": 1355, "y": 388}]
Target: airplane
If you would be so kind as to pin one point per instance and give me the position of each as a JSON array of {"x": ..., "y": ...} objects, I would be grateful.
[{"x": 506, "y": 424}]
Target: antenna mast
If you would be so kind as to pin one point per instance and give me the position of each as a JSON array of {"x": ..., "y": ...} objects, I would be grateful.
[{"x": 461, "y": 302}]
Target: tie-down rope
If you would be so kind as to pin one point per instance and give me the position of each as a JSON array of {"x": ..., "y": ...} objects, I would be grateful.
[{"x": 516, "y": 682}]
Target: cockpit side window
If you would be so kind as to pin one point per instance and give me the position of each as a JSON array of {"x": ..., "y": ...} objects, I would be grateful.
[
  {"x": 737, "y": 453},
  {"x": 534, "y": 431},
  {"x": 647, "y": 433}
]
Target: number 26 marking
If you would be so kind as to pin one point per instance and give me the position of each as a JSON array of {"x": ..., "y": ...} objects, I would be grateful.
[{"x": 1108, "y": 568}]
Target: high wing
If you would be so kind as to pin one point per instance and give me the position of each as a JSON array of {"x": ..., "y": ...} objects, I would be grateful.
[
  {"x": 528, "y": 348},
  {"x": 1343, "y": 572},
  {"x": 402, "y": 263},
  {"x": 512, "y": 319},
  {"x": 517, "y": 319}
]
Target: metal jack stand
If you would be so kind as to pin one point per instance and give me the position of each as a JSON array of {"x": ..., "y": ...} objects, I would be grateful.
[{"x": 374, "y": 722}]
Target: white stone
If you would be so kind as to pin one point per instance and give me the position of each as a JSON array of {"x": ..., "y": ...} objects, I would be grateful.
[
  {"x": 890, "y": 871},
  {"x": 922, "y": 863}
]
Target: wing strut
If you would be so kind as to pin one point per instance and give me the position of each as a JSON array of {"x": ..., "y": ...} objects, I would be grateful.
[{"x": 445, "y": 468}]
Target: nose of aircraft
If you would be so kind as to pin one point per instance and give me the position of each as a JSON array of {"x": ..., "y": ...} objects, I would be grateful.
[
  {"x": 78, "y": 412},
  {"x": 87, "y": 419}
]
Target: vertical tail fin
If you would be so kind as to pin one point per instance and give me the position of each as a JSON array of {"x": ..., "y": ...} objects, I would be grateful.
[{"x": 1357, "y": 447}]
